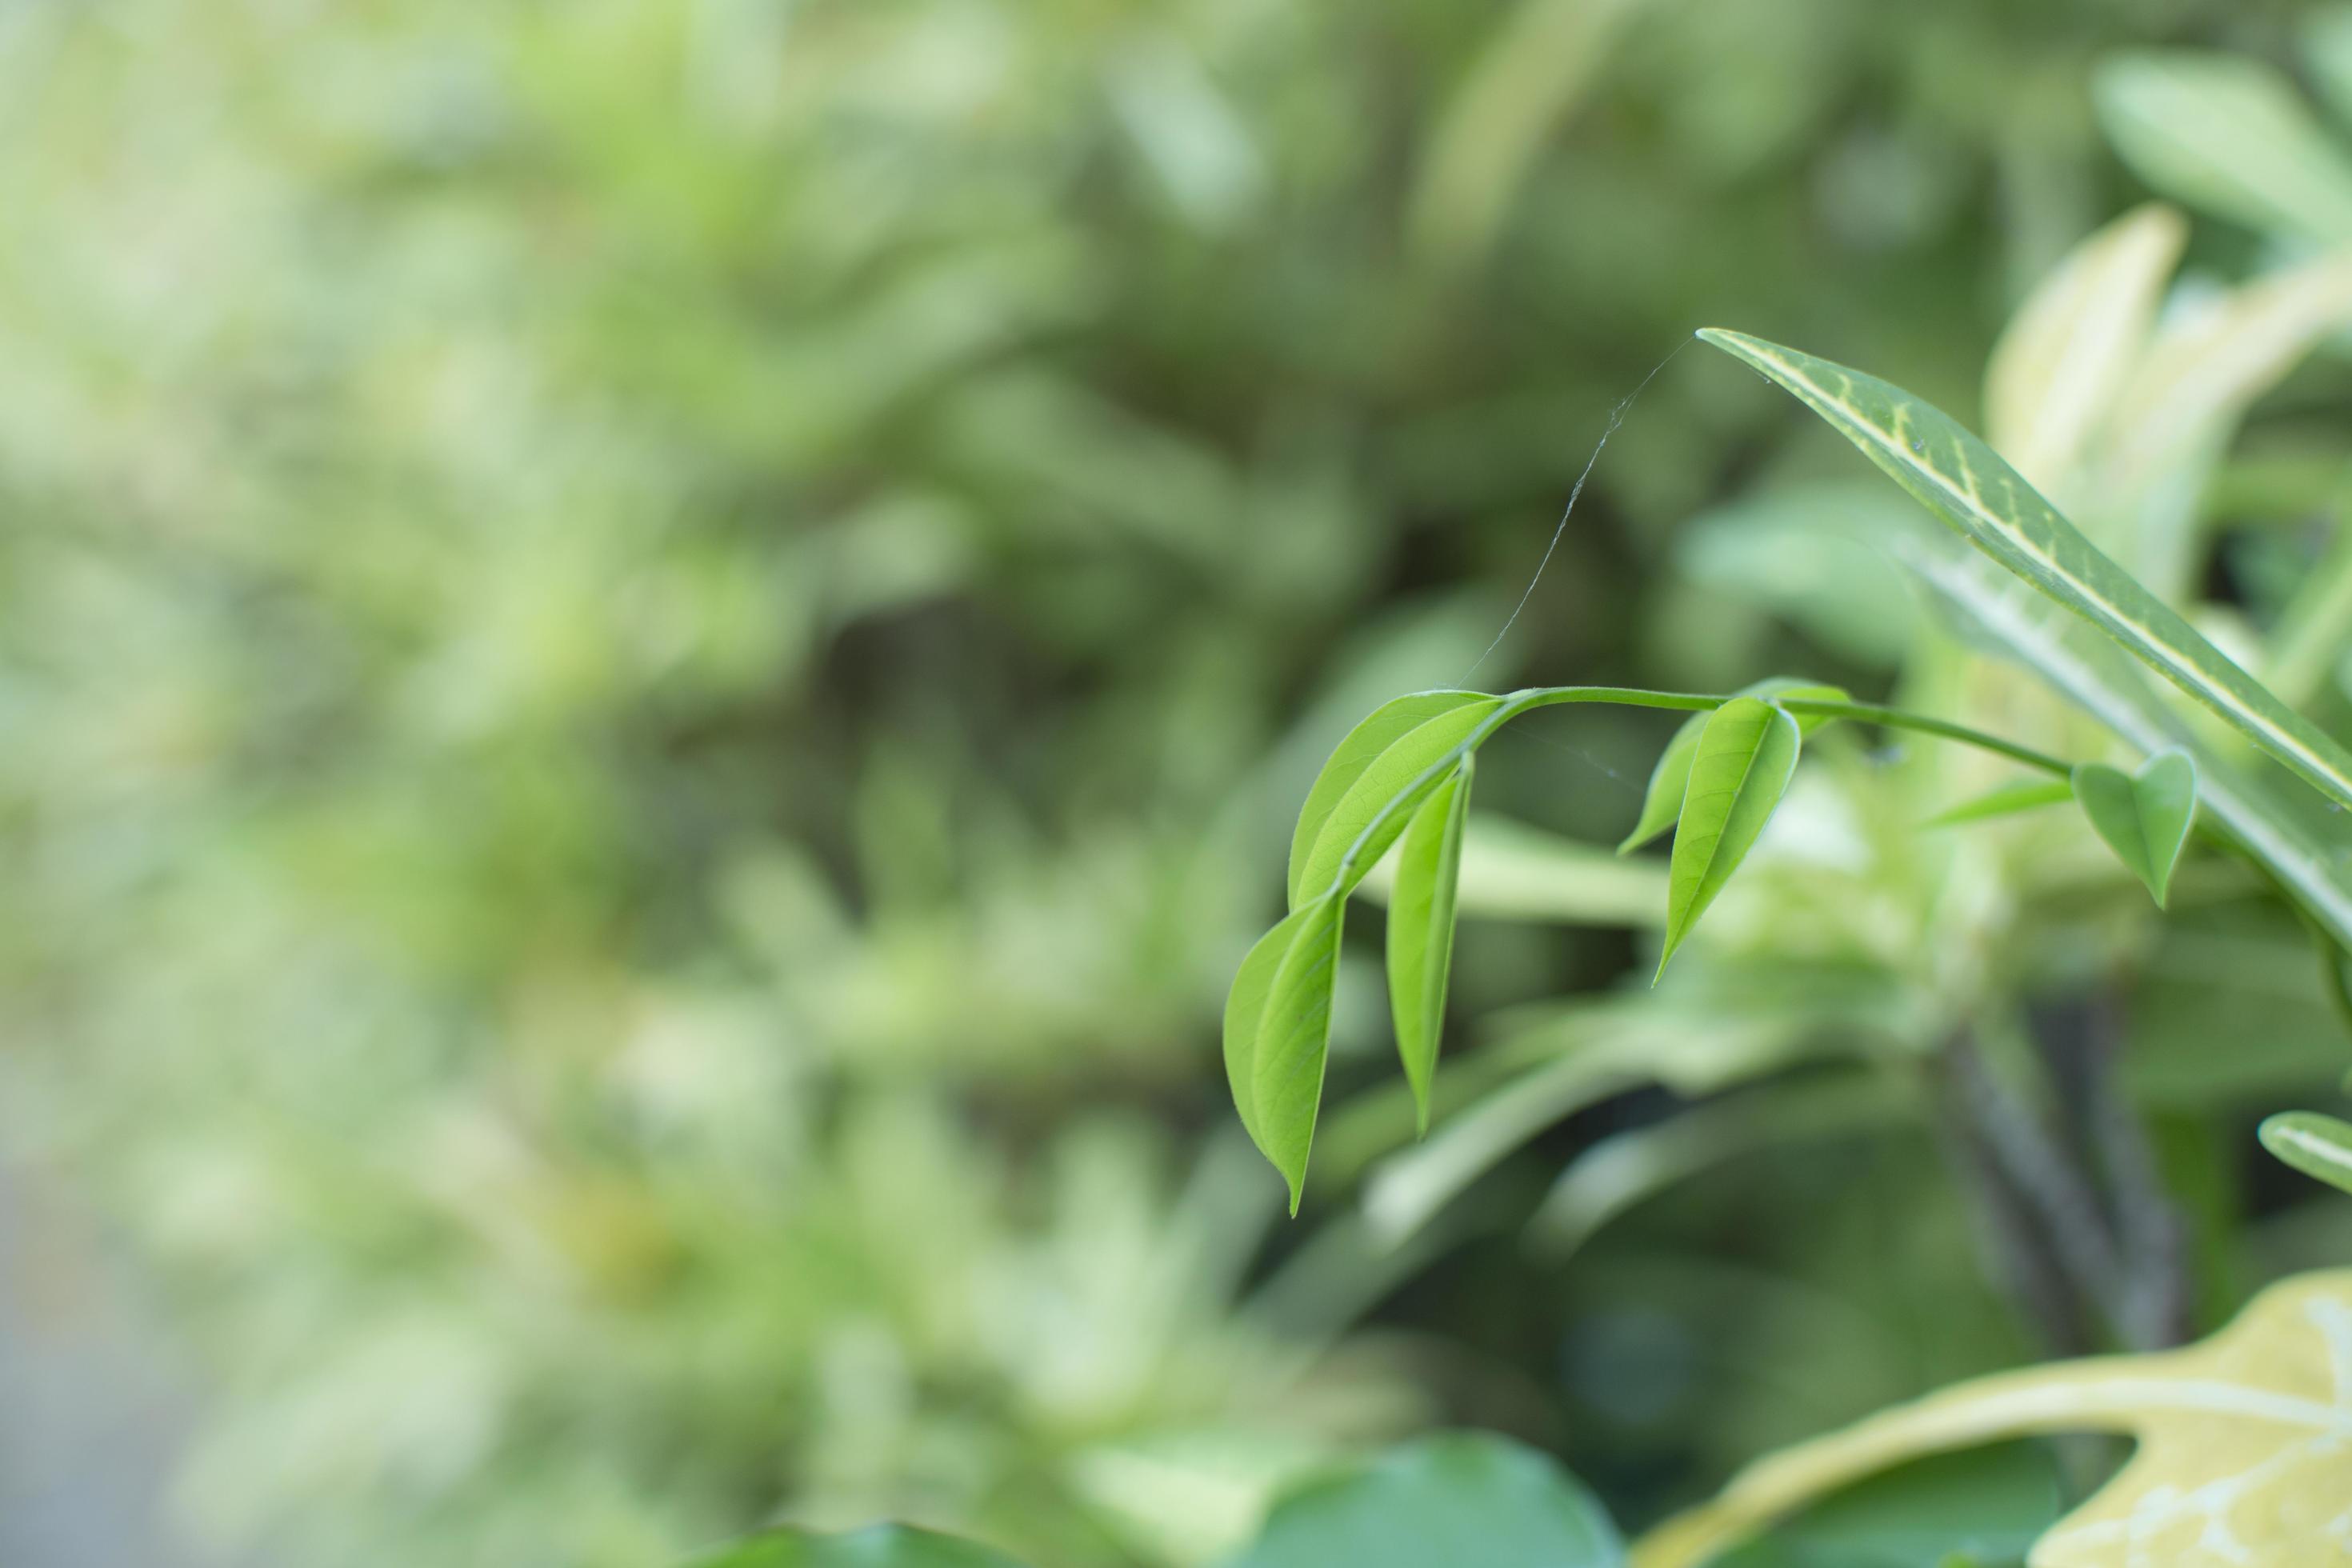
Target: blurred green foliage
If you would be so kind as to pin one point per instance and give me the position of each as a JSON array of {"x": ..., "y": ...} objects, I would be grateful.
[{"x": 650, "y": 657}]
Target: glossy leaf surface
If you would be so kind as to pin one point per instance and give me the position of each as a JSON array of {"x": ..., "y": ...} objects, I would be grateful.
[{"x": 1382, "y": 758}]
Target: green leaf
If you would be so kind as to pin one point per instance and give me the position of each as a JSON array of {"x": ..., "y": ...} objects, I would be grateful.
[
  {"x": 1458, "y": 1498},
  {"x": 1421, "y": 930},
  {"x": 2026, "y": 794},
  {"x": 1746, "y": 752},
  {"x": 2241, "y": 1458},
  {"x": 1979, "y": 1507},
  {"x": 2091, "y": 672},
  {"x": 2144, "y": 816},
  {"x": 2319, "y": 1146},
  {"x": 1278, "y": 1032},
  {"x": 1383, "y": 757},
  {"x": 882, "y": 1546},
  {"x": 2230, "y": 135},
  {"x": 1964, "y": 483},
  {"x": 1670, "y": 779}
]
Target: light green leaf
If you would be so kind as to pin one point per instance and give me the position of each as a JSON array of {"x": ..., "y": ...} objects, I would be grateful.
[
  {"x": 882, "y": 1546},
  {"x": 2327, "y": 50},
  {"x": 1746, "y": 754},
  {"x": 2143, "y": 815},
  {"x": 2307, "y": 858},
  {"x": 1421, "y": 930},
  {"x": 2245, "y": 1455},
  {"x": 1383, "y": 757},
  {"x": 2319, "y": 1146},
  {"x": 1278, "y": 1031},
  {"x": 1456, "y": 1498},
  {"x": 1960, "y": 479},
  {"x": 2229, "y": 135},
  {"x": 2063, "y": 358},
  {"x": 2026, "y": 794},
  {"x": 1670, "y": 779}
]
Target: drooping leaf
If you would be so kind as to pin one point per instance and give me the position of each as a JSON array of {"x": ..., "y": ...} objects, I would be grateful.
[
  {"x": 1662, "y": 803},
  {"x": 2143, "y": 815},
  {"x": 2026, "y": 794},
  {"x": 2245, "y": 1455},
  {"x": 1382, "y": 758},
  {"x": 2319, "y": 1146},
  {"x": 2229, "y": 135},
  {"x": 1278, "y": 1031},
  {"x": 1458, "y": 1498},
  {"x": 1746, "y": 754},
  {"x": 1963, "y": 482},
  {"x": 881, "y": 1546},
  {"x": 2063, "y": 361},
  {"x": 1421, "y": 930},
  {"x": 2093, "y": 674}
]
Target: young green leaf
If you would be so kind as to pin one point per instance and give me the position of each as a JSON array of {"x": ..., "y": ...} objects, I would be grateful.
[
  {"x": 1383, "y": 757},
  {"x": 1670, "y": 779},
  {"x": 2026, "y": 794},
  {"x": 1278, "y": 1031},
  {"x": 2143, "y": 815},
  {"x": 1421, "y": 930},
  {"x": 1746, "y": 752},
  {"x": 1965, "y": 484},
  {"x": 2319, "y": 1146}
]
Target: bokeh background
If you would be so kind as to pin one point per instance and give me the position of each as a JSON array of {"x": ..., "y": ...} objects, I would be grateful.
[{"x": 654, "y": 659}]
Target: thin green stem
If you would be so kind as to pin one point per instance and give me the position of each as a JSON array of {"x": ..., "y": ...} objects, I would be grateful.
[{"x": 1518, "y": 702}]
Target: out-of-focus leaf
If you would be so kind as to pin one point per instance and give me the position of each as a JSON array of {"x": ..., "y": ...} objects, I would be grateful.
[
  {"x": 1421, "y": 930},
  {"x": 2027, "y": 794},
  {"x": 1965, "y": 483},
  {"x": 1529, "y": 76},
  {"x": 1624, "y": 1168},
  {"x": 882, "y": 1546},
  {"x": 2228, "y": 135},
  {"x": 1746, "y": 754},
  {"x": 1458, "y": 1498},
  {"x": 1814, "y": 554},
  {"x": 2144, "y": 816},
  {"x": 1606, "y": 1050},
  {"x": 2327, "y": 50},
  {"x": 2319, "y": 1146},
  {"x": 1512, "y": 872},
  {"x": 1983, "y": 1508},
  {"x": 1381, "y": 758},
  {"x": 1278, "y": 1031},
  {"x": 2066, "y": 352},
  {"x": 2203, "y": 370},
  {"x": 2241, "y": 1460}
]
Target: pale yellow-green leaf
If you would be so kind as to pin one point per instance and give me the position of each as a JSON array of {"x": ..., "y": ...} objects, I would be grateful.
[
  {"x": 2245, "y": 1455},
  {"x": 1421, "y": 930},
  {"x": 2231, "y": 135},
  {"x": 2069, "y": 349},
  {"x": 2203, "y": 370}
]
